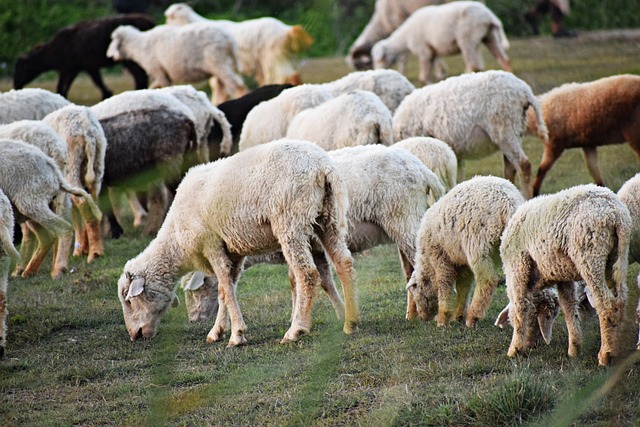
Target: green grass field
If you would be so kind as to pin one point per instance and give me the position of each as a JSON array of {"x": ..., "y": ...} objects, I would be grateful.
[{"x": 69, "y": 360}]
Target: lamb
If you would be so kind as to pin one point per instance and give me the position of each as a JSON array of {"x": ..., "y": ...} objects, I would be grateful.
[
  {"x": 579, "y": 233},
  {"x": 588, "y": 115},
  {"x": 391, "y": 86},
  {"x": 266, "y": 46},
  {"x": 80, "y": 47},
  {"x": 7, "y": 252},
  {"x": 188, "y": 53},
  {"x": 458, "y": 241},
  {"x": 86, "y": 147},
  {"x": 356, "y": 118},
  {"x": 435, "y": 155},
  {"x": 476, "y": 114},
  {"x": 300, "y": 198},
  {"x": 29, "y": 104},
  {"x": 270, "y": 119},
  {"x": 432, "y": 31},
  {"x": 31, "y": 180}
]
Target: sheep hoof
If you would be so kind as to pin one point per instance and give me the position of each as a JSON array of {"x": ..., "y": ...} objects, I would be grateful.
[
  {"x": 238, "y": 341},
  {"x": 513, "y": 351},
  {"x": 350, "y": 328},
  {"x": 605, "y": 358},
  {"x": 215, "y": 336},
  {"x": 472, "y": 322},
  {"x": 293, "y": 335}
]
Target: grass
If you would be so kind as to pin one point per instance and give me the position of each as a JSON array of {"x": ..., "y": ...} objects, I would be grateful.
[{"x": 69, "y": 360}]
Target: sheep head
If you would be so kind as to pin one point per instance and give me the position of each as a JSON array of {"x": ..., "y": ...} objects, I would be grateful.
[
  {"x": 143, "y": 304},
  {"x": 382, "y": 56},
  {"x": 29, "y": 66},
  {"x": 425, "y": 297},
  {"x": 360, "y": 57},
  {"x": 179, "y": 14},
  {"x": 115, "y": 50},
  {"x": 201, "y": 296}
]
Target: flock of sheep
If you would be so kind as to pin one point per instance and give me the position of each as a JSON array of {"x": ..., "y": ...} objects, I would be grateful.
[{"x": 327, "y": 170}]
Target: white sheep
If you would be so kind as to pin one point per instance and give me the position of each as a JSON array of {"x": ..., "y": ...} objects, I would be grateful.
[
  {"x": 280, "y": 195},
  {"x": 29, "y": 104},
  {"x": 432, "y": 31},
  {"x": 7, "y": 252},
  {"x": 458, "y": 241},
  {"x": 629, "y": 194},
  {"x": 270, "y": 119},
  {"x": 189, "y": 53},
  {"x": 354, "y": 118},
  {"x": 579, "y": 233},
  {"x": 477, "y": 114},
  {"x": 31, "y": 180},
  {"x": 266, "y": 46},
  {"x": 86, "y": 147},
  {"x": 435, "y": 155},
  {"x": 391, "y": 86}
]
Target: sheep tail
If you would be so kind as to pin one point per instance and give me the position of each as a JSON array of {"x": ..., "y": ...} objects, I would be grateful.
[
  {"x": 499, "y": 33},
  {"x": 80, "y": 192},
  {"x": 535, "y": 104},
  {"x": 227, "y": 139},
  {"x": 297, "y": 40},
  {"x": 336, "y": 201},
  {"x": 622, "y": 263}
]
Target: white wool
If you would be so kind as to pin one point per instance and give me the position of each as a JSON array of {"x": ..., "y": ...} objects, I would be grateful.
[{"x": 28, "y": 104}]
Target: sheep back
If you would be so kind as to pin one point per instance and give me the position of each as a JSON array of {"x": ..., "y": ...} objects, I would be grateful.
[{"x": 29, "y": 104}]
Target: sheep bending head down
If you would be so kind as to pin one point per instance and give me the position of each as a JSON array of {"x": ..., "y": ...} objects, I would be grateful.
[{"x": 276, "y": 196}]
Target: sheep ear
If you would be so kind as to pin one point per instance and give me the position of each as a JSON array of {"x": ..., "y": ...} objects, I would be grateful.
[
  {"x": 589, "y": 296},
  {"x": 411, "y": 283},
  {"x": 546, "y": 327},
  {"x": 176, "y": 301},
  {"x": 195, "y": 282},
  {"x": 136, "y": 288},
  {"x": 503, "y": 317}
]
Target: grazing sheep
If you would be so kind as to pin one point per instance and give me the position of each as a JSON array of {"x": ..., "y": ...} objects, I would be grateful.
[
  {"x": 292, "y": 196},
  {"x": 629, "y": 194},
  {"x": 435, "y": 155},
  {"x": 187, "y": 54},
  {"x": 31, "y": 180},
  {"x": 80, "y": 47},
  {"x": 356, "y": 118},
  {"x": 387, "y": 16},
  {"x": 390, "y": 85},
  {"x": 477, "y": 114},
  {"x": 29, "y": 104},
  {"x": 579, "y": 233},
  {"x": 266, "y": 46},
  {"x": 270, "y": 119},
  {"x": 588, "y": 115},
  {"x": 458, "y": 241},
  {"x": 7, "y": 252},
  {"x": 86, "y": 146},
  {"x": 448, "y": 29}
]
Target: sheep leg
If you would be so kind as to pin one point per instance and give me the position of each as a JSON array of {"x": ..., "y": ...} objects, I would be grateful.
[
  {"x": 426, "y": 65},
  {"x": 570, "y": 310},
  {"x": 472, "y": 58},
  {"x": 463, "y": 286},
  {"x": 495, "y": 47},
  {"x": 226, "y": 82},
  {"x": 27, "y": 248},
  {"x": 591, "y": 158},
  {"x": 139, "y": 75},
  {"x": 511, "y": 147},
  {"x": 158, "y": 201},
  {"x": 81, "y": 243},
  {"x": 61, "y": 251},
  {"x": 327, "y": 283},
  {"x": 549, "y": 157},
  {"x": 45, "y": 241},
  {"x": 95, "y": 75},
  {"x": 4, "y": 273},
  {"x": 460, "y": 175},
  {"x": 444, "y": 281},
  {"x": 227, "y": 272},
  {"x": 64, "y": 82},
  {"x": 407, "y": 267},
  {"x": 139, "y": 213},
  {"x": 518, "y": 277},
  {"x": 487, "y": 278}
]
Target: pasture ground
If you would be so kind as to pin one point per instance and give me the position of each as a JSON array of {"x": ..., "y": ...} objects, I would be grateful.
[{"x": 69, "y": 360}]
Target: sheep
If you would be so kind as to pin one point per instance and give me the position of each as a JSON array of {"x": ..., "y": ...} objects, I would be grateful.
[
  {"x": 588, "y": 115},
  {"x": 390, "y": 85},
  {"x": 86, "y": 147},
  {"x": 28, "y": 104},
  {"x": 146, "y": 147},
  {"x": 446, "y": 29},
  {"x": 44, "y": 137},
  {"x": 387, "y": 16},
  {"x": 435, "y": 155},
  {"x": 292, "y": 196},
  {"x": 80, "y": 47},
  {"x": 476, "y": 114},
  {"x": 266, "y": 46},
  {"x": 7, "y": 252},
  {"x": 458, "y": 241},
  {"x": 188, "y": 53},
  {"x": 31, "y": 180},
  {"x": 628, "y": 194},
  {"x": 270, "y": 119},
  {"x": 579, "y": 233},
  {"x": 356, "y": 118}
]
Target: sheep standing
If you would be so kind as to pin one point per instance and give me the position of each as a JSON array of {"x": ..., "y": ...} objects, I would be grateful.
[
  {"x": 266, "y": 46},
  {"x": 270, "y": 119},
  {"x": 579, "y": 233},
  {"x": 7, "y": 252},
  {"x": 80, "y": 47},
  {"x": 432, "y": 31},
  {"x": 187, "y": 54},
  {"x": 29, "y": 104},
  {"x": 291, "y": 196},
  {"x": 390, "y": 85},
  {"x": 356, "y": 118},
  {"x": 458, "y": 241},
  {"x": 588, "y": 115},
  {"x": 476, "y": 114}
]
